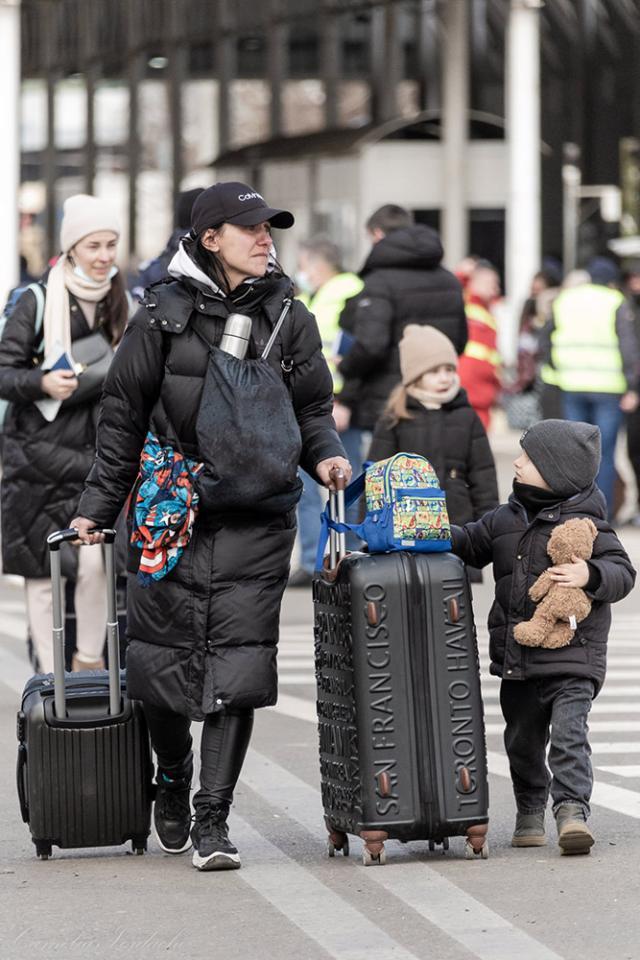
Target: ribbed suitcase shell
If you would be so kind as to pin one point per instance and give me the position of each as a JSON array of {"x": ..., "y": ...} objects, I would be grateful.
[
  {"x": 85, "y": 782},
  {"x": 401, "y": 723}
]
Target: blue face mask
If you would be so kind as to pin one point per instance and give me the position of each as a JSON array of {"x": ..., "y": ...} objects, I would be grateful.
[{"x": 79, "y": 272}]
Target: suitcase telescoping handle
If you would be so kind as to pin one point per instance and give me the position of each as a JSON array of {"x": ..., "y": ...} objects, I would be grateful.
[
  {"x": 337, "y": 541},
  {"x": 55, "y": 541}
]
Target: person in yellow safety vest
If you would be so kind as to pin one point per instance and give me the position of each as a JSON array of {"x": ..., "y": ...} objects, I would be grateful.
[
  {"x": 595, "y": 356},
  {"x": 551, "y": 398},
  {"x": 324, "y": 289},
  {"x": 480, "y": 363}
]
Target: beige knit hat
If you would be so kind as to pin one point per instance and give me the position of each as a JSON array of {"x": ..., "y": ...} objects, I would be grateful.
[
  {"x": 82, "y": 215},
  {"x": 422, "y": 348}
]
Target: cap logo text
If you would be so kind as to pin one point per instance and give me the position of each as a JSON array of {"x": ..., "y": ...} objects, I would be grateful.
[{"x": 250, "y": 196}]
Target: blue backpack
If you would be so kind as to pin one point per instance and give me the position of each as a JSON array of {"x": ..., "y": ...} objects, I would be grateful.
[
  {"x": 15, "y": 295},
  {"x": 406, "y": 509}
]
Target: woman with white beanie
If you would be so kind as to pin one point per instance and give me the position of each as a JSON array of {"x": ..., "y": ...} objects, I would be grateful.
[{"x": 50, "y": 426}]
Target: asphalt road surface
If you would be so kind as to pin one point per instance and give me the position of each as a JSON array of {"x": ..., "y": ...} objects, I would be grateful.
[{"x": 290, "y": 900}]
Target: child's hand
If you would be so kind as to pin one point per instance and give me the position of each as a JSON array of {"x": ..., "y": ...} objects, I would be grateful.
[{"x": 575, "y": 574}]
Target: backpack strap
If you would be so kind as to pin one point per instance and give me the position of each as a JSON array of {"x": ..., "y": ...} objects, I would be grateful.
[{"x": 38, "y": 292}]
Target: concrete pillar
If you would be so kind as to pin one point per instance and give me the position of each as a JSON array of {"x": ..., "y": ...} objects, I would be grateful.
[
  {"x": 10, "y": 139},
  {"x": 176, "y": 77},
  {"x": 385, "y": 62},
  {"x": 277, "y": 65},
  {"x": 226, "y": 60},
  {"x": 89, "y": 40},
  {"x": 429, "y": 40},
  {"x": 523, "y": 131},
  {"x": 330, "y": 63},
  {"x": 136, "y": 69},
  {"x": 455, "y": 129}
]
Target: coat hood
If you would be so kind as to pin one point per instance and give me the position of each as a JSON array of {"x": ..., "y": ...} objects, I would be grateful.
[{"x": 412, "y": 248}]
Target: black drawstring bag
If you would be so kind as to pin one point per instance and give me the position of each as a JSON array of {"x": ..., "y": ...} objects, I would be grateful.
[{"x": 248, "y": 435}]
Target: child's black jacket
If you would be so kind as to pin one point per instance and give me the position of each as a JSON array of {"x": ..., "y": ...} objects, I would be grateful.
[
  {"x": 518, "y": 550},
  {"x": 455, "y": 443}
]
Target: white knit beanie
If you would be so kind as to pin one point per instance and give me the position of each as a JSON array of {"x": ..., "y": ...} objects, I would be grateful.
[{"x": 83, "y": 215}]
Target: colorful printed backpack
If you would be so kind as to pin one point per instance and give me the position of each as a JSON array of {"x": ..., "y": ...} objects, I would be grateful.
[{"x": 406, "y": 509}]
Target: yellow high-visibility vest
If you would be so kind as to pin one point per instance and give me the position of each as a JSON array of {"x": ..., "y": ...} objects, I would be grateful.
[
  {"x": 326, "y": 305},
  {"x": 585, "y": 351}
]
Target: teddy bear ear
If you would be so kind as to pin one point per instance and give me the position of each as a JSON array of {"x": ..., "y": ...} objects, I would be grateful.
[{"x": 592, "y": 528}]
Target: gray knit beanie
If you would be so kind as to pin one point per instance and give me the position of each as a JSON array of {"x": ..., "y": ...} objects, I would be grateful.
[{"x": 566, "y": 453}]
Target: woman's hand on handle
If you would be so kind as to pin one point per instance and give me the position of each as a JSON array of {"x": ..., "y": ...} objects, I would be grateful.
[
  {"x": 84, "y": 528},
  {"x": 324, "y": 468}
]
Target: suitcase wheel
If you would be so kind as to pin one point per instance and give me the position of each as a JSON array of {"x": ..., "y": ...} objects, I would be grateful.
[
  {"x": 471, "y": 854},
  {"x": 43, "y": 850},
  {"x": 444, "y": 843},
  {"x": 369, "y": 858},
  {"x": 338, "y": 841},
  {"x": 138, "y": 847}
]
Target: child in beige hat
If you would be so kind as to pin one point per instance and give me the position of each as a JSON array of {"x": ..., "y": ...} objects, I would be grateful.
[{"x": 428, "y": 413}]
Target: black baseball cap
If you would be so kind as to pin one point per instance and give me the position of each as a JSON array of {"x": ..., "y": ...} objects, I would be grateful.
[{"x": 233, "y": 202}]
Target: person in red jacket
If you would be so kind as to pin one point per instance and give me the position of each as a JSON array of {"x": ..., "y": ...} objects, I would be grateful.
[{"x": 480, "y": 362}]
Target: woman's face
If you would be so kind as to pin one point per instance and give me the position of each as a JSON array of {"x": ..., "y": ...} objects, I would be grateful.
[
  {"x": 243, "y": 251},
  {"x": 95, "y": 254},
  {"x": 439, "y": 380}
]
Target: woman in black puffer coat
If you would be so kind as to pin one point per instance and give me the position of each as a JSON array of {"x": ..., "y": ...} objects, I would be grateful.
[
  {"x": 429, "y": 414},
  {"x": 82, "y": 306},
  {"x": 203, "y": 637}
]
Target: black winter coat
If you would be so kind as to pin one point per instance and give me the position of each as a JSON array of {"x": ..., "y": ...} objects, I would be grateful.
[
  {"x": 44, "y": 464},
  {"x": 404, "y": 283},
  {"x": 518, "y": 550},
  {"x": 205, "y": 637},
  {"x": 455, "y": 443}
]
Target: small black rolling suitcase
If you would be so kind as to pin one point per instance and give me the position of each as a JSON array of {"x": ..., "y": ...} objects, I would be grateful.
[
  {"x": 84, "y": 760},
  {"x": 401, "y": 722}
]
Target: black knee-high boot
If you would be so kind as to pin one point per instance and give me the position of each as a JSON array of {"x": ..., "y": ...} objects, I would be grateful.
[{"x": 225, "y": 738}]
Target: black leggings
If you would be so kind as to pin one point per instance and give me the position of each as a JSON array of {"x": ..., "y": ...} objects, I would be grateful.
[{"x": 225, "y": 738}]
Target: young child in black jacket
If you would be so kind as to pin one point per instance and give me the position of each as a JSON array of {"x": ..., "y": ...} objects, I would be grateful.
[
  {"x": 429, "y": 414},
  {"x": 546, "y": 694}
]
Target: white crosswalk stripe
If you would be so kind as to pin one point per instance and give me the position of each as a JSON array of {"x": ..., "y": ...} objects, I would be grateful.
[
  {"x": 482, "y": 931},
  {"x": 614, "y": 717}
]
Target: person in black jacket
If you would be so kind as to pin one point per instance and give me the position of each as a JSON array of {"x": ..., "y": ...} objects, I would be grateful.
[
  {"x": 404, "y": 282},
  {"x": 429, "y": 414},
  {"x": 546, "y": 694},
  {"x": 50, "y": 423},
  {"x": 203, "y": 631},
  {"x": 152, "y": 271}
]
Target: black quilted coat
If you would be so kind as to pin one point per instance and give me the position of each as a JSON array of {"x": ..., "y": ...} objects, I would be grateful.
[
  {"x": 205, "y": 637},
  {"x": 44, "y": 464},
  {"x": 404, "y": 282},
  {"x": 518, "y": 550},
  {"x": 455, "y": 443}
]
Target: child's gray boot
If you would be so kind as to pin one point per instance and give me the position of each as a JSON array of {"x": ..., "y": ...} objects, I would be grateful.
[
  {"x": 574, "y": 835},
  {"x": 529, "y": 831}
]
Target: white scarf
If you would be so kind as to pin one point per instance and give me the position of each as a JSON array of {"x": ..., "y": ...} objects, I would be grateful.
[
  {"x": 433, "y": 401},
  {"x": 57, "y": 317}
]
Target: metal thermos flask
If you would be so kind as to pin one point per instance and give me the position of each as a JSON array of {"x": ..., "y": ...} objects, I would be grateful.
[{"x": 235, "y": 338}]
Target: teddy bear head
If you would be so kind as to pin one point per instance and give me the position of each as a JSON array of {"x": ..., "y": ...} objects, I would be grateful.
[{"x": 573, "y": 538}]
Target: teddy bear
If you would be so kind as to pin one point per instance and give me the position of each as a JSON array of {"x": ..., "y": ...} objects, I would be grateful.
[{"x": 560, "y": 608}]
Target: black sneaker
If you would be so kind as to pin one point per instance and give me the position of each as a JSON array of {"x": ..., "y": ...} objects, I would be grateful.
[
  {"x": 172, "y": 814},
  {"x": 210, "y": 835}
]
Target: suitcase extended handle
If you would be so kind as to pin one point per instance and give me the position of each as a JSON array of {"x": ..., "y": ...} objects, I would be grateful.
[
  {"x": 54, "y": 541},
  {"x": 337, "y": 541}
]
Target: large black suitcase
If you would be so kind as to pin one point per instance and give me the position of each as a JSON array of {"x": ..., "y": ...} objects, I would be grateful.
[
  {"x": 401, "y": 723},
  {"x": 84, "y": 761}
]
